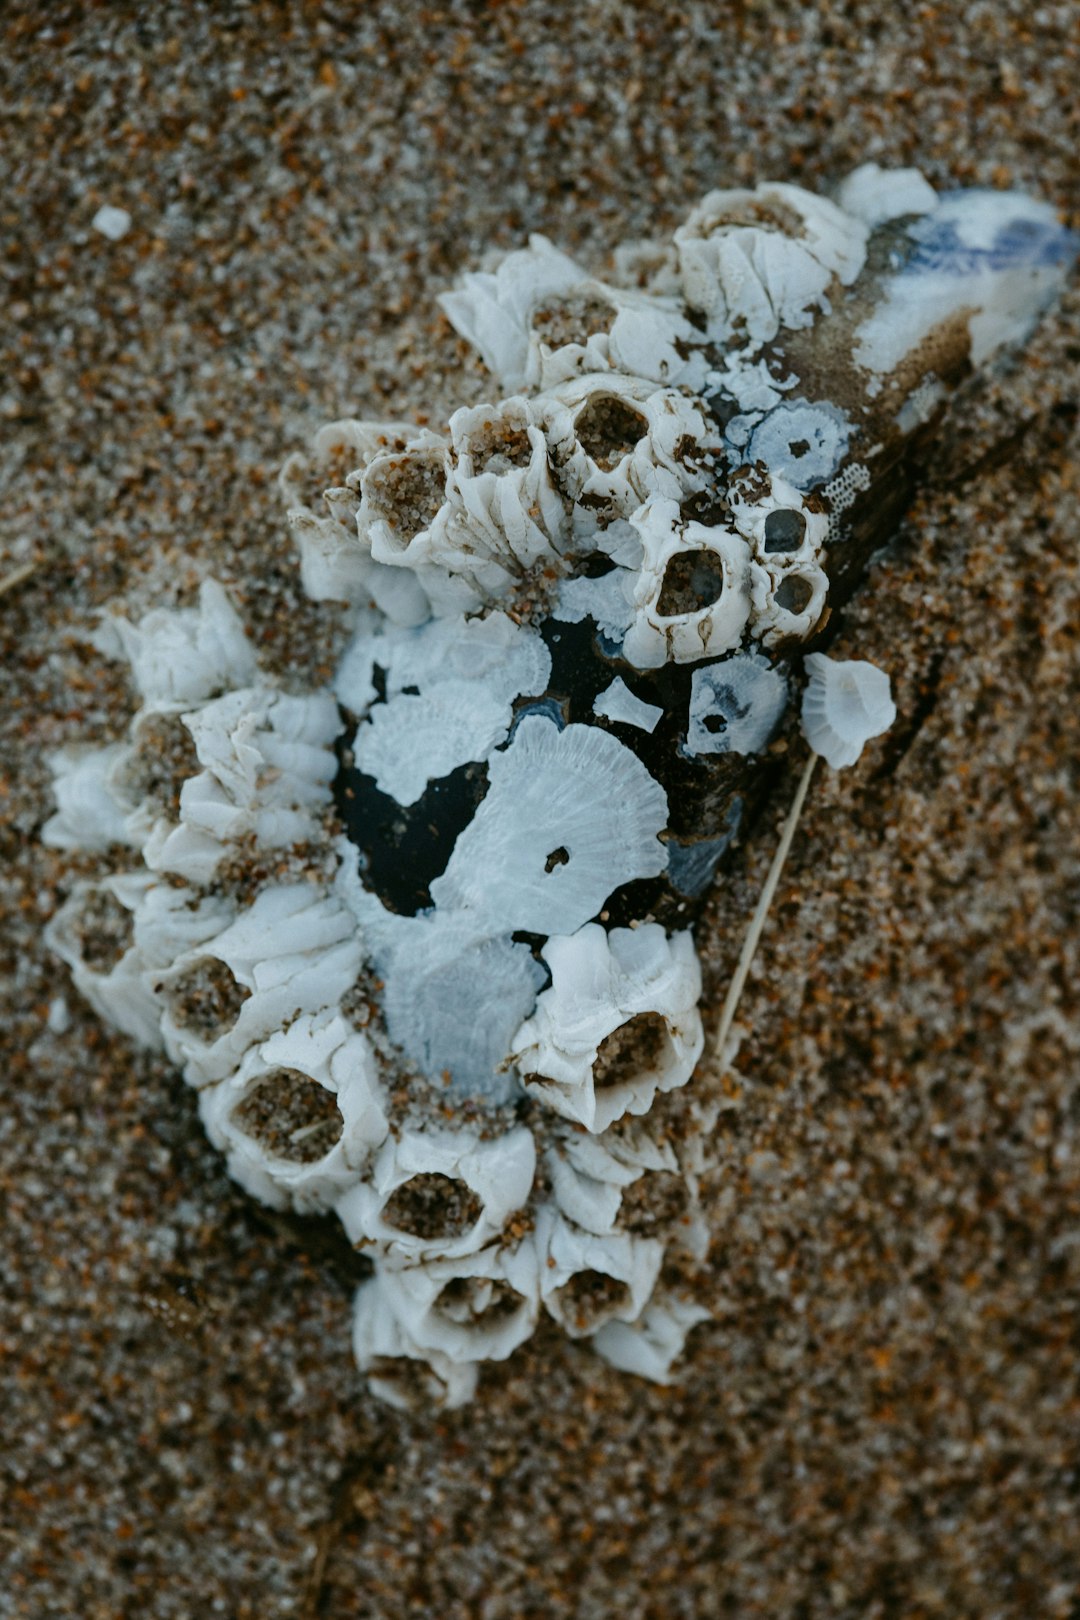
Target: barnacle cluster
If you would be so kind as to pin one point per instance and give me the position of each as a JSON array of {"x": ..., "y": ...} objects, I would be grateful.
[{"x": 423, "y": 941}]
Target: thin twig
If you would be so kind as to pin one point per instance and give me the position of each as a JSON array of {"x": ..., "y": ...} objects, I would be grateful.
[
  {"x": 757, "y": 921},
  {"x": 11, "y": 581}
]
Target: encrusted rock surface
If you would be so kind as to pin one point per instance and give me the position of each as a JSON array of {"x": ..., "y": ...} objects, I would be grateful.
[{"x": 879, "y": 1420}]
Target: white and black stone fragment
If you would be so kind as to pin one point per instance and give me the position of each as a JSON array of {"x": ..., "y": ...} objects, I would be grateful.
[{"x": 579, "y": 615}]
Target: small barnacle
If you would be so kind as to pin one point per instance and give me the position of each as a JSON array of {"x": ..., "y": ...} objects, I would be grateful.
[
  {"x": 608, "y": 429},
  {"x": 588, "y": 1280},
  {"x": 598, "y": 1182},
  {"x": 184, "y": 656},
  {"x": 293, "y": 950},
  {"x": 787, "y": 599},
  {"x": 439, "y": 1193},
  {"x": 466, "y": 1309},
  {"x": 401, "y": 495},
  {"x": 159, "y": 761},
  {"x": 115, "y": 935},
  {"x": 618, "y": 1024},
  {"x": 650, "y": 1346},
  {"x": 103, "y": 928},
  {"x": 754, "y": 261},
  {"x": 301, "y": 1115},
  {"x": 692, "y": 599}
]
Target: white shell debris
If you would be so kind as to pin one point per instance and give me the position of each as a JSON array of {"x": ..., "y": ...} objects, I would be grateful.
[
  {"x": 616, "y": 702},
  {"x": 454, "y": 998},
  {"x": 876, "y": 195},
  {"x": 111, "y": 221},
  {"x": 450, "y": 688},
  {"x": 990, "y": 258},
  {"x": 846, "y": 702},
  {"x": 402, "y": 932}
]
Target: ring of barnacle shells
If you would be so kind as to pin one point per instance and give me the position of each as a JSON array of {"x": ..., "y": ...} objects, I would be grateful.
[{"x": 424, "y": 1017}]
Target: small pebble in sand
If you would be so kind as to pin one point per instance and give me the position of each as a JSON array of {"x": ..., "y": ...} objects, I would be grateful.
[{"x": 112, "y": 222}]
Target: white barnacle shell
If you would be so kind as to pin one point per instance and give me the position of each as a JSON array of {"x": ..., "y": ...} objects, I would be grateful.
[
  {"x": 607, "y": 599},
  {"x": 418, "y": 737},
  {"x": 439, "y": 1193},
  {"x": 777, "y": 519},
  {"x": 182, "y": 655},
  {"x": 399, "y": 1371},
  {"x": 593, "y": 326},
  {"x": 801, "y": 441},
  {"x": 293, "y": 950},
  {"x": 569, "y": 816},
  {"x": 88, "y": 814},
  {"x": 475, "y": 1307},
  {"x": 598, "y": 428},
  {"x": 735, "y": 706},
  {"x": 755, "y": 261},
  {"x": 320, "y": 1074},
  {"x": 504, "y": 504},
  {"x": 692, "y": 596},
  {"x": 616, "y": 440},
  {"x": 846, "y": 702},
  {"x": 267, "y": 760},
  {"x": 787, "y": 535},
  {"x": 619, "y": 1022},
  {"x": 588, "y": 1280},
  {"x": 787, "y": 599},
  {"x": 618, "y": 704},
  {"x": 650, "y": 1346},
  {"x": 402, "y": 492},
  {"x": 334, "y": 565},
  {"x": 589, "y": 1174},
  {"x": 115, "y": 934},
  {"x": 450, "y": 689},
  {"x": 493, "y": 310}
]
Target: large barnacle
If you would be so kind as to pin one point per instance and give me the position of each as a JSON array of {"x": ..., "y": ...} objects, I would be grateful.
[{"x": 423, "y": 941}]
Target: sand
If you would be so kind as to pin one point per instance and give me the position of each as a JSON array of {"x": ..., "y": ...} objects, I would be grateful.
[{"x": 882, "y": 1420}]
